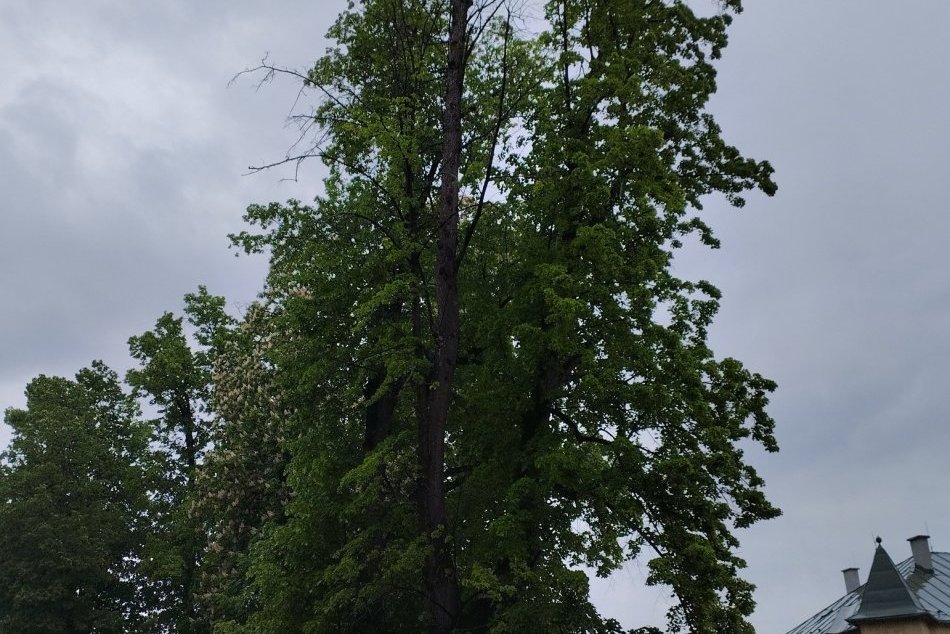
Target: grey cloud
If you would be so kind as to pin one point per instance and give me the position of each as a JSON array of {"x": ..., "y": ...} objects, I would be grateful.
[{"x": 838, "y": 287}]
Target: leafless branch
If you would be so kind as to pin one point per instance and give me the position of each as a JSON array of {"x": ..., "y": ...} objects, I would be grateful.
[
  {"x": 492, "y": 7},
  {"x": 470, "y": 230}
]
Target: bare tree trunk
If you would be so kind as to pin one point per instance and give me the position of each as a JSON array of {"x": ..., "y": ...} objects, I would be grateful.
[{"x": 442, "y": 588}]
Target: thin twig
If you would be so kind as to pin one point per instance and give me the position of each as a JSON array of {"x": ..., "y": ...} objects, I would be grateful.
[{"x": 470, "y": 230}]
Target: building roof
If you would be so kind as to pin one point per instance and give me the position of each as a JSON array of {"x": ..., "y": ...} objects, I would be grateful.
[
  {"x": 886, "y": 595},
  {"x": 927, "y": 591}
]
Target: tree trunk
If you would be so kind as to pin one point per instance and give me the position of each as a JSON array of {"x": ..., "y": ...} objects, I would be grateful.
[
  {"x": 190, "y": 547},
  {"x": 442, "y": 589}
]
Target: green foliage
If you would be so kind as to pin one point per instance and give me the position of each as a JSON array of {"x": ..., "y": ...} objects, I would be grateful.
[
  {"x": 72, "y": 508},
  {"x": 241, "y": 485},
  {"x": 590, "y": 423},
  {"x": 176, "y": 381}
]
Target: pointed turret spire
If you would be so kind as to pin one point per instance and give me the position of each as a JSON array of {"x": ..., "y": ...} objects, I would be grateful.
[{"x": 886, "y": 595}]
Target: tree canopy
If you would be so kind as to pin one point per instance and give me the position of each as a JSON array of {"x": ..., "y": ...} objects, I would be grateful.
[
  {"x": 472, "y": 375},
  {"x": 73, "y": 508}
]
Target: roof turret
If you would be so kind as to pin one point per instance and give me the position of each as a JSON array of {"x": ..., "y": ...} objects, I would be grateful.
[{"x": 886, "y": 595}]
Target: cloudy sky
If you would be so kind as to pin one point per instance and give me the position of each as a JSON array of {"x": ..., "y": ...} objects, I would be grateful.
[{"x": 123, "y": 153}]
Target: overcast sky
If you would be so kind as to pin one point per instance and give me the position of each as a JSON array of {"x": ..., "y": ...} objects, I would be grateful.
[{"x": 122, "y": 159}]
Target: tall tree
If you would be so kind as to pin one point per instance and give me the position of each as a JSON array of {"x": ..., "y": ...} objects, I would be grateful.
[
  {"x": 176, "y": 380},
  {"x": 73, "y": 499},
  {"x": 378, "y": 301},
  {"x": 241, "y": 483},
  {"x": 621, "y": 428},
  {"x": 492, "y": 374}
]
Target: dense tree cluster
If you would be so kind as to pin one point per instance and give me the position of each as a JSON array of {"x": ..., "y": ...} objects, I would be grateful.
[{"x": 472, "y": 373}]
